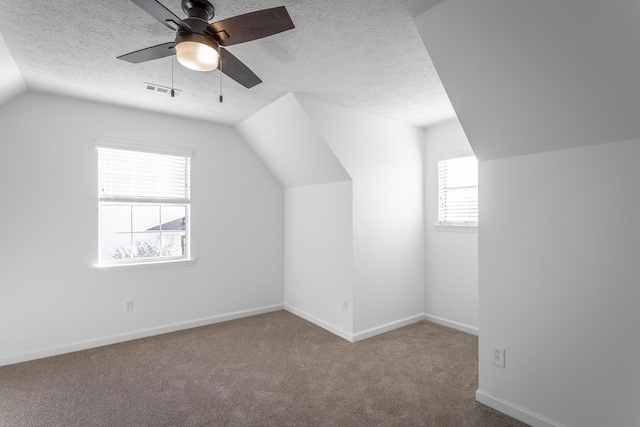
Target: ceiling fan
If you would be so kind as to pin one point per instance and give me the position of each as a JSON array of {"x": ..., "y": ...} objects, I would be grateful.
[{"x": 198, "y": 43}]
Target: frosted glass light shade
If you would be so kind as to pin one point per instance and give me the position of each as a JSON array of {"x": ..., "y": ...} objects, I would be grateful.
[{"x": 197, "y": 56}]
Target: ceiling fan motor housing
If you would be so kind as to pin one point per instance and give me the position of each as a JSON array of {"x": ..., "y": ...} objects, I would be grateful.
[
  {"x": 199, "y": 13},
  {"x": 198, "y": 9}
]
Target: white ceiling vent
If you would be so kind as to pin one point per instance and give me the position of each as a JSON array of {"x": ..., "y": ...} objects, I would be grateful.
[{"x": 161, "y": 89}]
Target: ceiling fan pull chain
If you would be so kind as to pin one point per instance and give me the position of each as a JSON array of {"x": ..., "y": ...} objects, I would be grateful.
[
  {"x": 220, "y": 59},
  {"x": 173, "y": 92}
]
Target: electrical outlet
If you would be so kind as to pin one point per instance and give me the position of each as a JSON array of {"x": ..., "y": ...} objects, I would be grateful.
[
  {"x": 497, "y": 355},
  {"x": 128, "y": 305},
  {"x": 345, "y": 305}
]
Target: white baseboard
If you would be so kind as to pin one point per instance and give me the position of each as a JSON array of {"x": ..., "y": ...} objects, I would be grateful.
[
  {"x": 127, "y": 336},
  {"x": 473, "y": 330},
  {"x": 516, "y": 411},
  {"x": 319, "y": 322},
  {"x": 371, "y": 332},
  {"x": 377, "y": 330}
]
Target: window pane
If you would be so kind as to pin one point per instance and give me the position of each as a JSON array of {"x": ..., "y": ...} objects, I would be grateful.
[
  {"x": 173, "y": 217},
  {"x": 116, "y": 219},
  {"x": 146, "y": 218},
  {"x": 174, "y": 243},
  {"x": 115, "y": 247},
  {"x": 146, "y": 245},
  {"x": 462, "y": 172}
]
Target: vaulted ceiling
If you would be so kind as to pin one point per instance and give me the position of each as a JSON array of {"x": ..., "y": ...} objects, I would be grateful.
[
  {"x": 534, "y": 76},
  {"x": 364, "y": 54}
]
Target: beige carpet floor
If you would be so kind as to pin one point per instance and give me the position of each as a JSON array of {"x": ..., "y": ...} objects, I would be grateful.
[{"x": 269, "y": 370}]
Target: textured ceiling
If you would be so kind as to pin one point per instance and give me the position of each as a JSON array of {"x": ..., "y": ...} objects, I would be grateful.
[{"x": 364, "y": 54}]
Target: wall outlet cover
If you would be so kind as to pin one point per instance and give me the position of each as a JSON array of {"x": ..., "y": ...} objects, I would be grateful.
[{"x": 497, "y": 355}]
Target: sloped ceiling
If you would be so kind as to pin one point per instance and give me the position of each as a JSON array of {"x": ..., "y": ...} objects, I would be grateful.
[
  {"x": 365, "y": 54},
  {"x": 534, "y": 76},
  {"x": 285, "y": 138},
  {"x": 11, "y": 82}
]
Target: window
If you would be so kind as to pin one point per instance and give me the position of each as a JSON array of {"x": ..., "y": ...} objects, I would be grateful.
[
  {"x": 143, "y": 201},
  {"x": 458, "y": 192}
]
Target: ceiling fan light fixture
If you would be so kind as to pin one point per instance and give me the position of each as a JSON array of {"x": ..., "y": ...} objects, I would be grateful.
[
  {"x": 197, "y": 56},
  {"x": 197, "y": 52}
]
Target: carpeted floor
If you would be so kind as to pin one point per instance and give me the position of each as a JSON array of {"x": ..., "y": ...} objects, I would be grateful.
[{"x": 269, "y": 370}]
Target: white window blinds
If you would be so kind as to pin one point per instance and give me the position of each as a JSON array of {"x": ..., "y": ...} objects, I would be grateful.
[
  {"x": 458, "y": 192},
  {"x": 137, "y": 176}
]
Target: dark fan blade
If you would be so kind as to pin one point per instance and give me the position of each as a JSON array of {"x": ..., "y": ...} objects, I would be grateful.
[
  {"x": 234, "y": 68},
  {"x": 149, "y": 53},
  {"x": 251, "y": 26},
  {"x": 161, "y": 13}
]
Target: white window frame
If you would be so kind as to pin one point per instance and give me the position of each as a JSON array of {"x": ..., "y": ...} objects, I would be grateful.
[
  {"x": 144, "y": 263},
  {"x": 466, "y": 226}
]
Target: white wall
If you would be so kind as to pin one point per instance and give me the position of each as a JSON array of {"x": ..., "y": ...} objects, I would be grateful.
[
  {"x": 51, "y": 300},
  {"x": 319, "y": 254},
  {"x": 451, "y": 257},
  {"x": 384, "y": 159},
  {"x": 559, "y": 283}
]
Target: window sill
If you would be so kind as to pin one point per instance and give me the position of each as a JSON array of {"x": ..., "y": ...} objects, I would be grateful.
[
  {"x": 457, "y": 228},
  {"x": 110, "y": 268}
]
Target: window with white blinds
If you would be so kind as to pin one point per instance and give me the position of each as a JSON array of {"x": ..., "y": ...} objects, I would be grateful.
[
  {"x": 143, "y": 200},
  {"x": 458, "y": 192}
]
